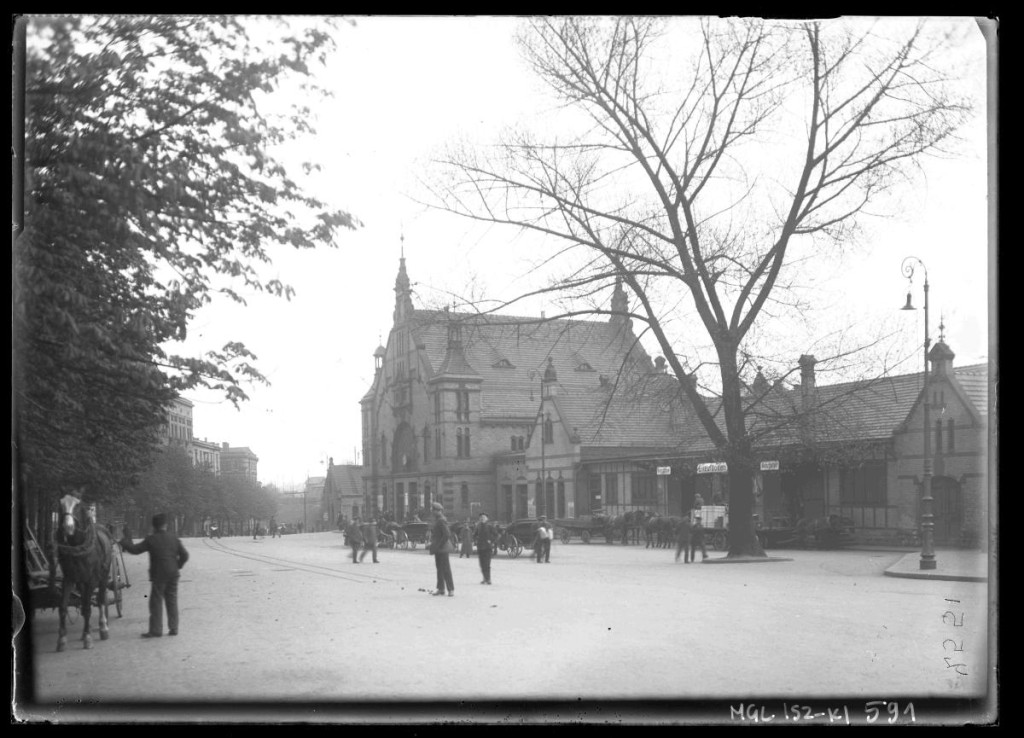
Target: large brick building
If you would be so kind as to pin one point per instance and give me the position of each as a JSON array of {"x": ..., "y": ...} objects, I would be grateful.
[{"x": 519, "y": 416}]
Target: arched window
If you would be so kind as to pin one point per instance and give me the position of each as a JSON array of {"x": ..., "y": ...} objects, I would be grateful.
[
  {"x": 464, "y": 494},
  {"x": 549, "y": 430}
]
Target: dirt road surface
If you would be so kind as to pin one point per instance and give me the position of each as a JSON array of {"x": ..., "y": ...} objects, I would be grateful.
[{"x": 292, "y": 619}]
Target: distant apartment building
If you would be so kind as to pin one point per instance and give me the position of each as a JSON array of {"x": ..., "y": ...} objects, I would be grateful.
[
  {"x": 238, "y": 461},
  {"x": 206, "y": 455},
  {"x": 343, "y": 491},
  {"x": 178, "y": 429}
]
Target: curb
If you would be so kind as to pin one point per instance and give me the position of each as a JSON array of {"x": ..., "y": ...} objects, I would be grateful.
[
  {"x": 745, "y": 560},
  {"x": 941, "y": 577}
]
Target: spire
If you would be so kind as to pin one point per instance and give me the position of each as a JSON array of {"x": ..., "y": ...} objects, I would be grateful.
[
  {"x": 620, "y": 305},
  {"x": 403, "y": 290}
]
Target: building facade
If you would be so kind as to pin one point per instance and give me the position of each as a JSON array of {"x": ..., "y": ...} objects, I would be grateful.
[
  {"x": 518, "y": 417},
  {"x": 343, "y": 492},
  {"x": 239, "y": 461},
  {"x": 206, "y": 455},
  {"x": 454, "y": 392}
]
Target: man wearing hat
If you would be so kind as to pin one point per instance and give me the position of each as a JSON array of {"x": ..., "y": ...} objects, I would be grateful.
[
  {"x": 166, "y": 558},
  {"x": 542, "y": 540},
  {"x": 440, "y": 546},
  {"x": 484, "y": 535}
]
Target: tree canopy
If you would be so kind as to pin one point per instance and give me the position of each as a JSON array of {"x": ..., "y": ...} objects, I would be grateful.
[
  {"x": 152, "y": 186},
  {"x": 701, "y": 168}
]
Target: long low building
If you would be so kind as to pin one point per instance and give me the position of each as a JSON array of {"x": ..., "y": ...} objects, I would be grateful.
[{"x": 517, "y": 416}]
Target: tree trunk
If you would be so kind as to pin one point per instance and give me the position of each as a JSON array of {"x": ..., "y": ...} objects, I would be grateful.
[{"x": 742, "y": 538}]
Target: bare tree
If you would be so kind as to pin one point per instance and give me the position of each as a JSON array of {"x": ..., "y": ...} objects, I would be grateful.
[{"x": 703, "y": 179}]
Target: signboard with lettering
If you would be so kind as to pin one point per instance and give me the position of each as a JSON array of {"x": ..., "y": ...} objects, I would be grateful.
[
  {"x": 664, "y": 471},
  {"x": 769, "y": 466},
  {"x": 715, "y": 467}
]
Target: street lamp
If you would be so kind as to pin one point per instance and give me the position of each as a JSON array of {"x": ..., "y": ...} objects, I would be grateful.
[{"x": 927, "y": 518}]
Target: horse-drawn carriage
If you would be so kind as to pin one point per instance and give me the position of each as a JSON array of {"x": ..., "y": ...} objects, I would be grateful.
[
  {"x": 585, "y": 528},
  {"x": 87, "y": 570},
  {"x": 416, "y": 533}
]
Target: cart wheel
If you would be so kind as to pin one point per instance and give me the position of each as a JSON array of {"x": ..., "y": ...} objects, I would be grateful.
[
  {"x": 566, "y": 535},
  {"x": 585, "y": 536},
  {"x": 718, "y": 541},
  {"x": 403, "y": 544},
  {"x": 515, "y": 548},
  {"x": 412, "y": 544}
]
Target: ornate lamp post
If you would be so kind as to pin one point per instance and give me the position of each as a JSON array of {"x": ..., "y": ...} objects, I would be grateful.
[{"x": 927, "y": 518}]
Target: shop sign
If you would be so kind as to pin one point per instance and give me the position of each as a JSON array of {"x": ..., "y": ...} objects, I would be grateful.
[
  {"x": 769, "y": 466},
  {"x": 715, "y": 467},
  {"x": 664, "y": 471}
]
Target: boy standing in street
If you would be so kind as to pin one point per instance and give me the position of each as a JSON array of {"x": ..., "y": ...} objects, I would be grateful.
[{"x": 484, "y": 536}]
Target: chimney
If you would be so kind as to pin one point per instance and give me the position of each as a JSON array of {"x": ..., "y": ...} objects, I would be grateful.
[{"x": 659, "y": 365}]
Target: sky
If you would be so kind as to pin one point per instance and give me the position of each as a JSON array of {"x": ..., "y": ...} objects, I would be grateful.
[{"x": 406, "y": 87}]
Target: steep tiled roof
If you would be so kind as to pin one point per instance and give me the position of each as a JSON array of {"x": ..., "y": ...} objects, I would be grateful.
[
  {"x": 853, "y": 411},
  {"x": 346, "y": 479},
  {"x": 974, "y": 380},
  {"x": 526, "y": 344}
]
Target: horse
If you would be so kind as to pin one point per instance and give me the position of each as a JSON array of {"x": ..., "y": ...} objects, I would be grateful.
[
  {"x": 653, "y": 535},
  {"x": 85, "y": 552}
]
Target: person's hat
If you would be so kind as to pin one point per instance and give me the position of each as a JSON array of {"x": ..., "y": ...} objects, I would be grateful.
[
  {"x": 483, "y": 515},
  {"x": 436, "y": 506},
  {"x": 159, "y": 520}
]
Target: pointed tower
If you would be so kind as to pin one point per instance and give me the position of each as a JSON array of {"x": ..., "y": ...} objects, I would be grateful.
[
  {"x": 403, "y": 291},
  {"x": 941, "y": 356},
  {"x": 620, "y": 306}
]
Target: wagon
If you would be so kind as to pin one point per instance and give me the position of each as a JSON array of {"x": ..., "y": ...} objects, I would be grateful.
[
  {"x": 508, "y": 541},
  {"x": 584, "y": 528},
  {"x": 417, "y": 532}
]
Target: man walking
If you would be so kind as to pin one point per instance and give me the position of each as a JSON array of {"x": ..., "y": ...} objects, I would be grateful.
[
  {"x": 166, "y": 558},
  {"x": 683, "y": 539},
  {"x": 697, "y": 539},
  {"x": 484, "y": 535},
  {"x": 355, "y": 538},
  {"x": 542, "y": 542},
  {"x": 370, "y": 539}
]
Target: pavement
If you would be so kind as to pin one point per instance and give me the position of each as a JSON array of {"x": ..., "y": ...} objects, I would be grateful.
[
  {"x": 951, "y": 565},
  {"x": 291, "y": 624}
]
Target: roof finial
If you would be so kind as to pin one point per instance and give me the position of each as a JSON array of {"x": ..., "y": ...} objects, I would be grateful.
[
  {"x": 942, "y": 328},
  {"x": 402, "y": 239}
]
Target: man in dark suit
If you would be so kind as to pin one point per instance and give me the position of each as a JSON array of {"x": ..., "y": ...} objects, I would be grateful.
[
  {"x": 355, "y": 538},
  {"x": 370, "y": 539},
  {"x": 683, "y": 539},
  {"x": 697, "y": 539},
  {"x": 166, "y": 558}
]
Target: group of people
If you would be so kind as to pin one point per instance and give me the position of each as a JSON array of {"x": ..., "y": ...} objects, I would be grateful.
[
  {"x": 167, "y": 555},
  {"x": 362, "y": 537},
  {"x": 483, "y": 535}
]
